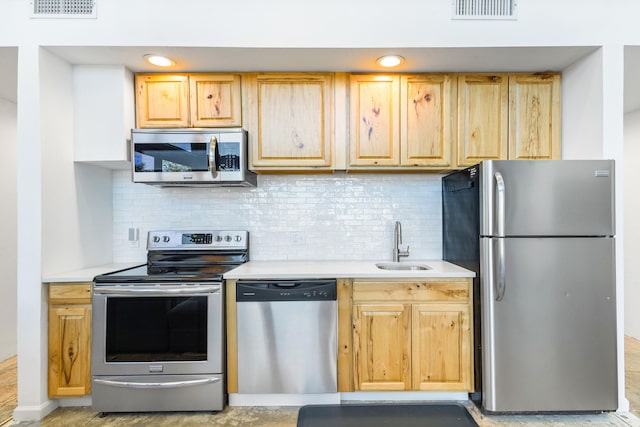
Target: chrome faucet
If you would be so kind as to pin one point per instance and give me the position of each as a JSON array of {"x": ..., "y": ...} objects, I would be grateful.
[{"x": 397, "y": 241}]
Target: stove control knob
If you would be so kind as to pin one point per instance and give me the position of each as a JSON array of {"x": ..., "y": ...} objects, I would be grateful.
[
  {"x": 227, "y": 238},
  {"x": 238, "y": 237},
  {"x": 156, "y": 239},
  {"x": 218, "y": 238},
  {"x": 165, "y": 239}
]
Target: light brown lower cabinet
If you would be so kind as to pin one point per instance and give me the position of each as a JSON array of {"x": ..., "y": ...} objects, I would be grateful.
[
  {"x": 409, "y": 335},
  {"x": 69, "y": 339}
]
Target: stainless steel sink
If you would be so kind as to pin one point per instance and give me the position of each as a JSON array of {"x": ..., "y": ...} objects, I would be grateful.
[{"x": 401, "y": 266}]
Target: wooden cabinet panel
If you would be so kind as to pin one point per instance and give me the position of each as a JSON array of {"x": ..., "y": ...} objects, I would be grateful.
[
  {"x": 482, "y": 118},
  {"x": 188, "y": 100},
  {"x": 382, "y": 346},
  {"x": 534, "y": 116},
  {"x": 441, "y": 347},
  {"x": 427, "y": 120},
  {"x": 408, "y": 335},
  {"x": 411, "y": 291},
  {"x": 291, "y": 125},
  {"x": 375, "y": 120},
  {"x": 215, "y": 100},
  {"x": 162, "y": 100},
  {"x": 69, "y": 340}
]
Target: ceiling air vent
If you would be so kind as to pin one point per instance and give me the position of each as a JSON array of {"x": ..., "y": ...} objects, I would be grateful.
[
  {"x": 63, "y": 8},
  {"x": 484, "y": 9}
]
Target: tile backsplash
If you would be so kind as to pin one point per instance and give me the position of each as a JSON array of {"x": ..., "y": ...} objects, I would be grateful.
[{"x": 291, "y": 217}]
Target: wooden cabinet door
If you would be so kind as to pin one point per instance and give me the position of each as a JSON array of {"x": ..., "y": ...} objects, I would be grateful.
[
  {"x": 534, "y": 116},
  {"x": 441, "y": 339},
  {"x": 375, "y": 120},
  {"x": 382, "y": 346},
  {"x": 482, "y": 118},
  {"x": 427, "y": 120},
  {"x": 292, "y": 126},
  {"x": 162, "y": 100},
  {"x": 69, "y": 339},
  {"x": 215, "y": 100}
]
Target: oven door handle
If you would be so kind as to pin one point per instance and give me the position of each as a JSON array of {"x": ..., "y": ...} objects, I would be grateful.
[
  {"x": 158, "y": 290},
  {"x": 157, "y": 385}
]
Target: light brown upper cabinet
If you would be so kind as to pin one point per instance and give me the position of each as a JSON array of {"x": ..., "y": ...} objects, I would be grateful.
[
  {"x": 483, "y": 119},
  {"x": 534, "y": 116},
  {"x": 508, "y": 116},
  {"x": 375, "y": 120},
  {"x": 289, "y": 120},
  {"x": 188, "y": 100},
  {"x": 402, "y": 120},
  {"x": 427, "y": 117}
]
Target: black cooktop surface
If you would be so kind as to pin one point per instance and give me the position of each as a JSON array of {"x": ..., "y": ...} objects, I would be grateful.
[{"x": 145, "y": 274}]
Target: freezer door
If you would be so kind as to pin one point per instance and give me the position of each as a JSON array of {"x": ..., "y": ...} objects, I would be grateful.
[
  {"x": 549, "y": 331},
  {"x": 547, "y": 198}
]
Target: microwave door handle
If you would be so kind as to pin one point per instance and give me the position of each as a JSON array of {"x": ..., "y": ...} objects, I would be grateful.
[{"x": 214, "y": 155}]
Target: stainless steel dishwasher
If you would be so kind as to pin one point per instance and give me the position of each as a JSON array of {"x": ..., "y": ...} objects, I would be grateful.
[{"x": 287, "y": 336}]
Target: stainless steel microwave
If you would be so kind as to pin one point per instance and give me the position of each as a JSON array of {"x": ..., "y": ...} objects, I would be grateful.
[{"x": 191, "y": 157}]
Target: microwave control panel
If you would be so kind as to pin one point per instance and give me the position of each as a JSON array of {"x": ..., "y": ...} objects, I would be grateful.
[{"x": 229, "y": 156}]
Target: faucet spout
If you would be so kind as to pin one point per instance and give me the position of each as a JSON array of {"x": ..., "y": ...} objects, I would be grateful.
[{"x": 397, "y": 241}]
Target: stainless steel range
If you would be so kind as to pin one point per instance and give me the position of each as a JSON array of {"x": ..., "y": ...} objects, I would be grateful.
[{"x": 158, "y": 329}]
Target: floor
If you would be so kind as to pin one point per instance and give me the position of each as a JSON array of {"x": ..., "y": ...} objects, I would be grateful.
[{"x": 287, "y": 416}]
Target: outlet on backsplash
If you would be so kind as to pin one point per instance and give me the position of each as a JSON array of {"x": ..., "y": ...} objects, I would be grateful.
[
  {"x": 134, "y": 237},
  {"x": 297, "y": 238}
]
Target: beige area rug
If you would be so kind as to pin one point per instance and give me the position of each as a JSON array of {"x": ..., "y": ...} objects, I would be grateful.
[{"x": 8, "y": 389}]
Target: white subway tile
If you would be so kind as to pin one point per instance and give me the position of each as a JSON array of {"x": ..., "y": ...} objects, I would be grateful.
[{"x": 297, "y": 217}]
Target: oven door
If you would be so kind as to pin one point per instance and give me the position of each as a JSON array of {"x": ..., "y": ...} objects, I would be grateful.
[{"x": 141, "y": 329}]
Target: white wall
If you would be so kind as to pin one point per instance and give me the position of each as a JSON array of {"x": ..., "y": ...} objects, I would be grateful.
[
  {"x": 632, "y": 224},
  {"x": 76, "y": 202},
  {"x": 8, "y": 259},
  {"x": 334, "y": 23},
  {"x": 582, "y": 99}
]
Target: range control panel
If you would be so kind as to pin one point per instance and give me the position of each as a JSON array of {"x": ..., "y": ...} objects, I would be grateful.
[{"x": 197, "y": 239}]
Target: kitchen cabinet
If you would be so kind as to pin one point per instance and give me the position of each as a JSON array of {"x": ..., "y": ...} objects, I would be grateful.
[
  {"x": 69, "y": 353},
  {"x": 482, "y": 118},
  {"x": 289, "y": 120},
  {"x": 534, "y": 116},
  {"x": 427, "y": 120},
  {"x": 508, "y": 116},
  {"x": 402, "y": 120},
  {"x": 407, "y": 335},
  {"x": 103, "y": 110},
  {"x": 375, "y": 120},
  {"x": 188, "y": 100}
]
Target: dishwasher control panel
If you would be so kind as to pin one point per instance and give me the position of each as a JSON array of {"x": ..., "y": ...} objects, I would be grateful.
[{"x": 286, "y": 290}]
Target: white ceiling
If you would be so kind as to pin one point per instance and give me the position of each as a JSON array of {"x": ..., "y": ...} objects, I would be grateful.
[{"x": 197, "y": 59}]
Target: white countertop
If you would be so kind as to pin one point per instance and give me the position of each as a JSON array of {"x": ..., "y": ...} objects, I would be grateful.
[
  {"x": 342, "y": 270},
  {"x": 87, "y": 274}
]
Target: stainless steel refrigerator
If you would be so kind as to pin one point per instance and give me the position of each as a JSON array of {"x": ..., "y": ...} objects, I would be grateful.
[{"x": 540, "y": 236}]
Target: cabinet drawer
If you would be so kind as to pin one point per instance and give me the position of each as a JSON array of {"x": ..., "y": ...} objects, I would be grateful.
[
  {"x": 70, "y": 293},
  {"x": 411, "y": 291}
]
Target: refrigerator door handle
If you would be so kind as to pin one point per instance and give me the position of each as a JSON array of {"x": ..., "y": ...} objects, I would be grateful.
[
  {"x": 499, "y": 284},
  {"x": 500, "y": 203}
]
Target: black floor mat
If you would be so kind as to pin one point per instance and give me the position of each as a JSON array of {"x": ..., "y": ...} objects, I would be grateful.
[{"x": 385, "y": 415}]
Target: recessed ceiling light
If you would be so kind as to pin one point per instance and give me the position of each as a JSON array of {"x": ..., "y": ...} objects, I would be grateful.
[
  {"x": 160, "y": 61},
  {"x": 390, "y": 61}
]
